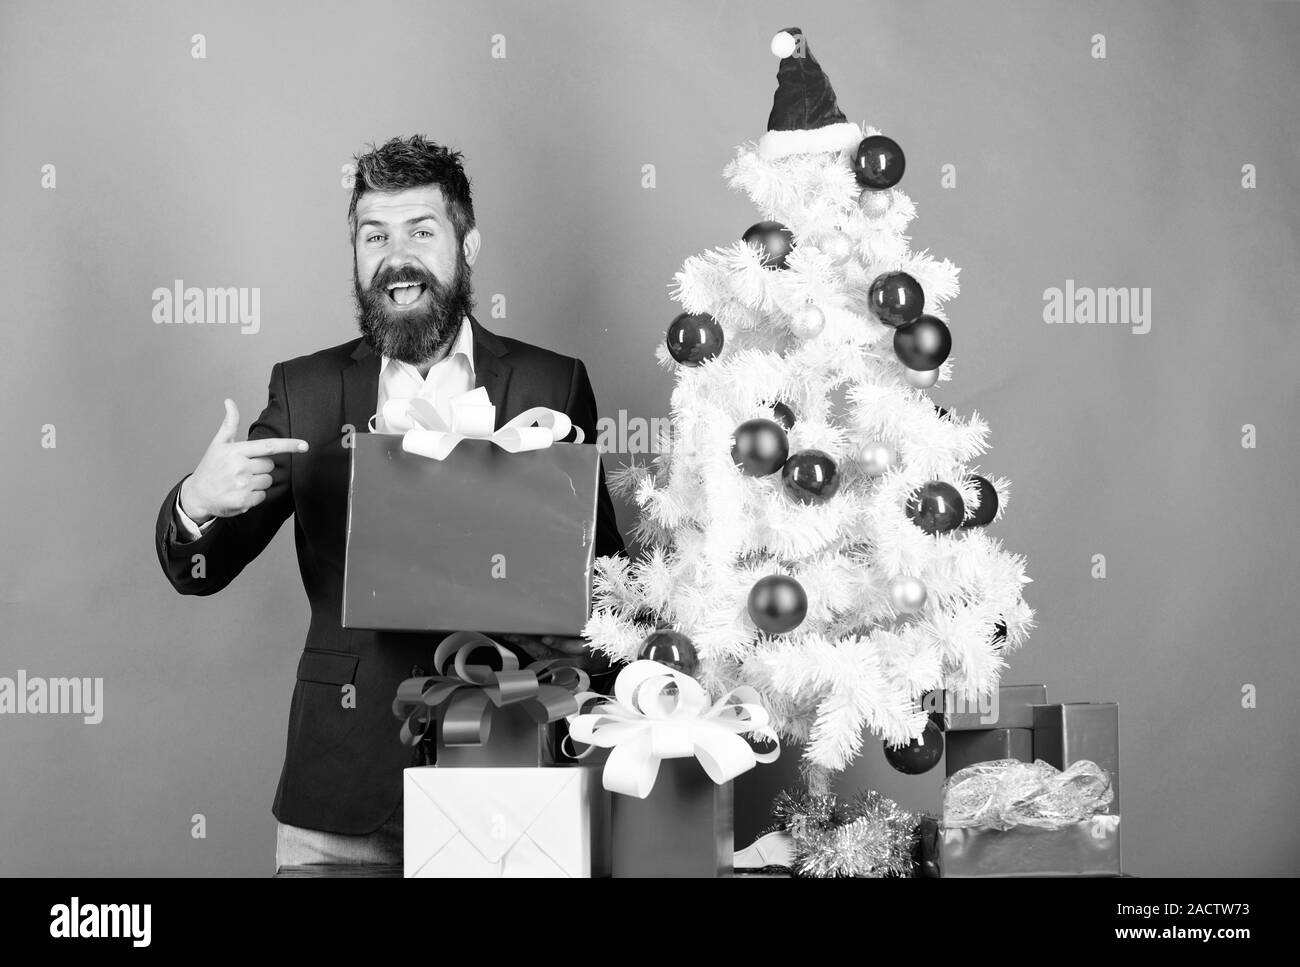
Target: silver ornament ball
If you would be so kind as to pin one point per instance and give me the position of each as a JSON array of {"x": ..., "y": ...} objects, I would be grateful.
[
  {"x": 921, "y": 379},
  {"x": 838, "y": 247},
  {"x": 877, "y": 458},
  {"x": 875, "y": 203},
  {"x": 807, "y": 321},
  {"x": 907, "y": 594}
]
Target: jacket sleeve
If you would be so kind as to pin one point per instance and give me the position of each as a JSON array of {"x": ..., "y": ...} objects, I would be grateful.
[
  {"x": 209, "y": 563},
  {"x": 581, "y": 409}
]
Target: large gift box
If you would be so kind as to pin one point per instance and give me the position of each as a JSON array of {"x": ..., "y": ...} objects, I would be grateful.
[
  {"x": 1089, "y": 847},
  {"x": 448, "y": 532},
  {"x": 1012, "y": 818},
  {"x": 505, "y": 823}
]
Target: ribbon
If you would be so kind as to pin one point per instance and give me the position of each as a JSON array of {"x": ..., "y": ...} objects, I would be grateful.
[
  {"x": 433, "y": 429},
  {"x": 659, "y": 713},
  {"x": 548, "y": 690},
  {"x": 1007, "y": 792}
]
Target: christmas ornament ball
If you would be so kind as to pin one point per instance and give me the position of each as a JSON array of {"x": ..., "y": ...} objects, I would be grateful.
[
  {"x": 810, "y": 477},
  {"x": 907, "y": 594},
  {"x": 988, "y": 505},
  {"x": 875, "y": 203},
  {"x": 919, "y": 755},
  {"x": 777, "y": 603},
  {"x": 921, "y": 379},
  {"x": 838, "y": 247},
  {"x": 936, "y": 507},
  {"x": 759, "y": 447},
  {"x": 773, "y": 242},
  {"x": 671, "y": 648},
  {"x": 784, "y": 44},
  {"x": 923, "y": 344},
  {"x": 896, "y": 299},
  {"x": 783, "y": 414},
  {"x": 807, "y": 321},
  {"x": 878, "y": 162},
  {"x": 876, "y": 458},
  {"x": 694, "y": 337}
]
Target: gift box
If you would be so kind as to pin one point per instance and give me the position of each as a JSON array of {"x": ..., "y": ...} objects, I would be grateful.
[
  {"x": 1067, "y": 733},
  {"x": 480, "y": 709},
  {"x": 672, "y": 757},
  {"x": 962, "y": 749},
  {"x": 1089, "y": 847},
  {"x": 683, "y": 828},
  {"x": 1010, "y": 707},
  {"x": 505, "y": 823},
  {"x": 482, "y": 538}
]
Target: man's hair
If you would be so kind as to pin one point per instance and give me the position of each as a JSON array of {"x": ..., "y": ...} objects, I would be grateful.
[{"x": 414, "y": 162}]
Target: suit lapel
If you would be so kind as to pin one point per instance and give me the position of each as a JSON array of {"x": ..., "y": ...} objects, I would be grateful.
[
  {"x": 491, "y": 371},
  {"x": 361, "y": 377}
]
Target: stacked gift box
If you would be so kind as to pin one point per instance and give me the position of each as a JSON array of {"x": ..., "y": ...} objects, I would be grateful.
[{"x": 998, "y": 744}]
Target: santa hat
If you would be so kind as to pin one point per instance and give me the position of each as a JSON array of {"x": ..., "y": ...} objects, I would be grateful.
[{"x": 805, "y": 117}]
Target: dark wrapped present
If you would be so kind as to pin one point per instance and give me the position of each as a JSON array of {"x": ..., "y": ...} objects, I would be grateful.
[
  {"x": 495, "y": 715},
  {"x": 1066, "y": 734}
]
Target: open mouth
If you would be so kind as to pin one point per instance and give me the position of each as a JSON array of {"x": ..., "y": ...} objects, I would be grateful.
[{"x": 405, "y": 293}]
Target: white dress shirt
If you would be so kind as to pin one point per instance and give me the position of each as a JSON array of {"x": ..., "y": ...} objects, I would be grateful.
[{"x": 452, "y": 374}]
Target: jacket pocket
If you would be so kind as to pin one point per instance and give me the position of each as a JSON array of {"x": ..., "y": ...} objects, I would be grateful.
[{"x": 327, "y": 667}]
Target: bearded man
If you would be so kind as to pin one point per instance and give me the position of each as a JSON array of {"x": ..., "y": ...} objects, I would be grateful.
[{"x": 414, "y": 241}]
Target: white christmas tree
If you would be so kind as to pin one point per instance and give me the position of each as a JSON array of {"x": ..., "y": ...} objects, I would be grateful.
[{"x": 814, "y": 525}]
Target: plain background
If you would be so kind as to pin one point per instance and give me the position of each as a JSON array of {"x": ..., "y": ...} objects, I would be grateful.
[{"x": 226, "y": 172}]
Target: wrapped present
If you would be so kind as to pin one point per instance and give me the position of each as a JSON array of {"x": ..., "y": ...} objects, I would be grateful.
[
  {"x": 672, "y": 757},
  {"x": 1009, "y": 707},
  {"x": 453, "y": 525},
  {"x": 962, "y": 749},
  {"x": 488, "y": 715},
  {"x": 525, "y": 822},
  {"x": 1090, "y": 847},
  {"x": 1010, "y": 818},
  {"x": 1067, "y": 733}
]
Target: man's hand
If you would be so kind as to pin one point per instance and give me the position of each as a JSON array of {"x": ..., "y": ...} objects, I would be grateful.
[
  {"x": 575, "y": 651},
  {"x": 233, "y": 476}
]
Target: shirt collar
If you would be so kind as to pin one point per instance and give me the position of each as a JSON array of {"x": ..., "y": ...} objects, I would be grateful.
[{"x": 464, "y": 344}]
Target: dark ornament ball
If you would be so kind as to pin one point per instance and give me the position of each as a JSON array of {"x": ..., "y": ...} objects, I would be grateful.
[
  {"x": 878, "y": 163},
  {"x": 810, "y": 477},
  {"x": 999, "y": 634},
  {"x": 923, "y": 344},
  {"x": 694, "y": 337},
  {"x": 773, "y": 241},
  {"x": 777, "y": 604},
  {"x": 919, "y": 755},
  {"x": 759, "y": 447},
  {"x": 784, "y": 415},
  {"x": 896, "y": 299},
  {"x": 988, "y": 506},
  {"x": 671, "y": 648},
  {"x": 936, "y": 507}
]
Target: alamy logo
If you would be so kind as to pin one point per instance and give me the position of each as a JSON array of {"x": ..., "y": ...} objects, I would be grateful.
[
  {"x": 112, "y": 921},
  {"x": 212, "y": 306},
  {"x": 1084, "y": 305},
  {"x": 53, "y": 696}
]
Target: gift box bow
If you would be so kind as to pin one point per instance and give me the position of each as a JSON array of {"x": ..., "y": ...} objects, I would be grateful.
[
  {"x": 659, "y": 713},
  {"x": 1003, "y": 793},
  {"x": 433, "y": 428},
  {"x": 467, "y": 693}
]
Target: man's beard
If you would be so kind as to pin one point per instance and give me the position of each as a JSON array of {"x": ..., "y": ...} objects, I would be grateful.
[{"x": 421, "y": 332}]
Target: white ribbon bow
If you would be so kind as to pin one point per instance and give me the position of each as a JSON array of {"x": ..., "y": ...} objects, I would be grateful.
[
  {"x": 433, "y": 429},
  {"x": 646, "y": 722}
]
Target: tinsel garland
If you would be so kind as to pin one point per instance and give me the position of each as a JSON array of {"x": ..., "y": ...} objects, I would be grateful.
[{"x": 867, "y": 836}]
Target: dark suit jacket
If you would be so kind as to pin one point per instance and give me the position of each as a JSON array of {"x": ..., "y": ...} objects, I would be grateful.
[{"x": 343, "y": 767}]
